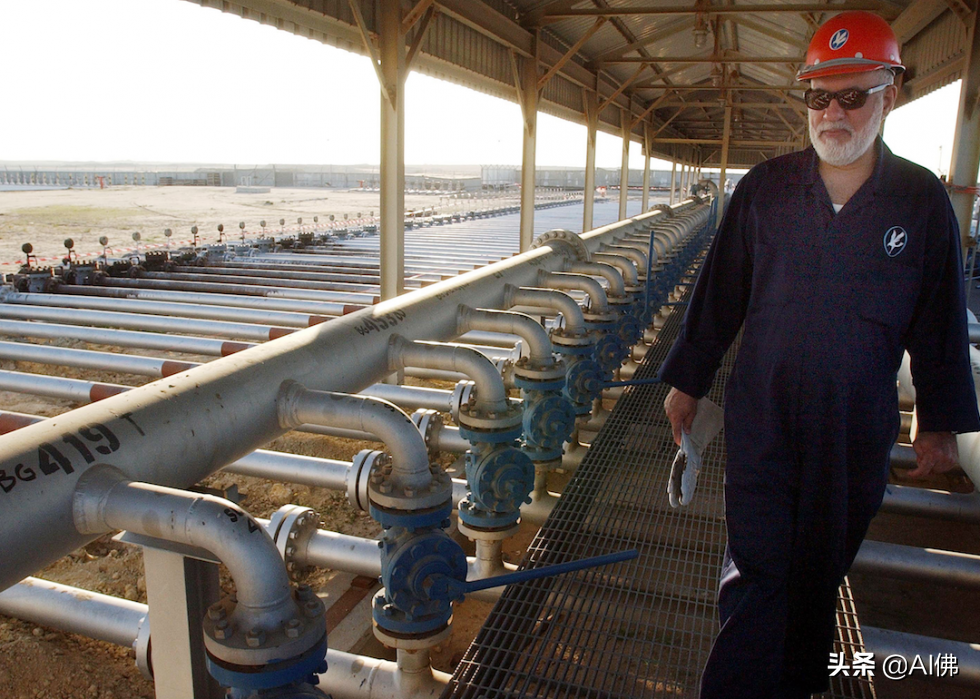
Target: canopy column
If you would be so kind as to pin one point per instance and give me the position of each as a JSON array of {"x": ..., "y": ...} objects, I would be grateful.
[{"x": 966, "y": 140}]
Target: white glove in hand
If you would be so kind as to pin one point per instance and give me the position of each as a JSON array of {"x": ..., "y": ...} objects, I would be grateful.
[{"x": 684, "y": 472}]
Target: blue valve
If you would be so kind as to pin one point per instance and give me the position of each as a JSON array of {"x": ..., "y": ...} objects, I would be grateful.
[{"x": 452, "y": 589}]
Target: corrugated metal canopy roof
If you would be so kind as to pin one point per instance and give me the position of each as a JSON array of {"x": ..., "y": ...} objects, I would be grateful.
[{"x": 673, "y": 65}]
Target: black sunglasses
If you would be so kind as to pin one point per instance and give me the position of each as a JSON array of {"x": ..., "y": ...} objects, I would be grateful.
[{"x": 848, "y": 98}]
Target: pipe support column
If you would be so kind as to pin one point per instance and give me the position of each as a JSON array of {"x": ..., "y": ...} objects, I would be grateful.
[
  {"x": 592, "y": 126},
  {"x": 966, "y": 140},
  {"x": 626, "y": 126},
  {"x": 528, "y": 93},
  {"x": 393, "y": 72}
]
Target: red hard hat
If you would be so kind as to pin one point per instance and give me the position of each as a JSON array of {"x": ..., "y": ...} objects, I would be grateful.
[{"x": 851, "y": 42}]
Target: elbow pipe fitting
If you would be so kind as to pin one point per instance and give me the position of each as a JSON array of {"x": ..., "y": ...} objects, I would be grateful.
[
  {"x": 598, "y": 302},
  {"x": 410, "y": 463},
  {"x": 626, "y": 267},
  {"x": 631, "y": 252},
  {"x": 104, "y": 500},
  {"x": 549, "y": 298},
  {"x": 617, "y": 285},
  {"x": 535, "y": 337},
  {"x": 491, "y": 395}
]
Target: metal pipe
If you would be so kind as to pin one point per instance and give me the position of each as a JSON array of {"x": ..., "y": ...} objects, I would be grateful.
[
  {"x": 159, "y": 437},
  {"x": 410, "y": 465},
  {"x": 89, "y": 359},
  {"x": 57, "y": 387},
  {"x": 935, "y": 504},
  {"x": 535, "y": 337},
  {"x": 613, "y": 277},
  {"x": 622, "y": 263},
  {"x": 412, "y": 397},
  {"x": 491, "y": 395},
  {"x": 551, "y": 299},
  {"x": 131, "y": 307},
  {"x": 351, "y": 676},
  {"x": 578, "y": 282},
  {"x": 293, "y": 468},
  {"x": 930, "y": 566},
  {"x": 105, "y": 500},
  {"x": 123, "y": 338},
  {"x": 637, "y": 257},
  {"x": 319, "y": 308},
  {"x": 70, "y": 609},
  {"x": 885, "y": 644},
  {"x": 249, "y": 290}
]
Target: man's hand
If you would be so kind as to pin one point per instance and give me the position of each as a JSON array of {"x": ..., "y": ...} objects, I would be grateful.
[
  {"x": 681, "y": 409},
  {"x": 935, "y": 452}
]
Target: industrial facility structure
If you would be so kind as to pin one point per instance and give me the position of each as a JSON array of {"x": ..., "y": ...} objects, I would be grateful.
[{"x": 553, "y": 332}]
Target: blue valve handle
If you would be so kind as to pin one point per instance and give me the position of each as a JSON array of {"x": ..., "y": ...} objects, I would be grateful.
[{"x": 458, "y": 588}]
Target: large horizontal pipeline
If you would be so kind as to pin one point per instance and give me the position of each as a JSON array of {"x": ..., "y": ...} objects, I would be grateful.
[
  {"x": 242, "y": 281},
  {"x": 240, "y": 289},
  {"x": 929, "y": 566},
  {"x": 177, "y": 431},
  {"x": 316, "y": 308},
  {"x": 123, "y": 338},
  {"x": 70, "y": 609},
  {"x": 885, "y": 644},
  {"x": 247, "y": 316}
]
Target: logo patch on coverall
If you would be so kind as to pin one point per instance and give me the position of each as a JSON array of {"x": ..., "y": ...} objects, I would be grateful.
[
  {"x": 839, "y": 38},
  {"x": 895, "y": 240}
]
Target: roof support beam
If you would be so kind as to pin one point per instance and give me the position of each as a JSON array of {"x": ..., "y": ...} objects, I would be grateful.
[
  {"x": 732, "y": 144},
  {"x": 916, "y": 17},
  {"x": 670, "y": 30},
  {"x": 705, "y": 59},
  {"x": 420, "y": 33},
  {"x": 387, "y": 91},
  {"x": 571, "y": 52},
  {"x": 712, "y": 10},
  {"x": 415, "y": 14},
  {"x": 622, "y": 87}
]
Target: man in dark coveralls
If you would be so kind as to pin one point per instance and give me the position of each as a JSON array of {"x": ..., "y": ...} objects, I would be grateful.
[{"x": 834, "y": 260}]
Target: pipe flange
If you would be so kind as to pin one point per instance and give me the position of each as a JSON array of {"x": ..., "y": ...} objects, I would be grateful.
[
  {"x": 292, "y": 527},
  {"x": 570, "y": 239},
  {"x": 472, "y": 418},
  {"x": 429, "y": 423},
  {"x": 523, "y": 369},
  {"x": 665, "y": 208},
  {"x": 617, "y": 302},
  {"x": 565, "y": 342},
  {"x": 142, "y": 647},
  {"x": 385, "y": 491},
  {"x": 234, "y": 636},
  {"x": 603, "y": 317},
  {"x": 487, "y": 534},
  {"x": 462, "y": 394},
  {"x": 360, "y": 474},
  {"x": 412, "y": 642}
]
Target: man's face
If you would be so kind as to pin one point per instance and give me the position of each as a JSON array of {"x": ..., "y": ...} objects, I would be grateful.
[{"x": 842, "y": 136}]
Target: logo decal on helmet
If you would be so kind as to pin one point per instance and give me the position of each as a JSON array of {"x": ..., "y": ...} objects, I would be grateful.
[
  {"x": 838, "y": 40},
  {"x": 895, "y": 240}
]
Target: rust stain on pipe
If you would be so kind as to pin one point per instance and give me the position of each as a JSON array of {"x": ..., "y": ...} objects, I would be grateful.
[
  {"x": 232, "y": 347},
  {"x": 104, "y": 390}
]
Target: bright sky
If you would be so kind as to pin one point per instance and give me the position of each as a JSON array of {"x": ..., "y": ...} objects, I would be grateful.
[{"x": 171, "y": 81}]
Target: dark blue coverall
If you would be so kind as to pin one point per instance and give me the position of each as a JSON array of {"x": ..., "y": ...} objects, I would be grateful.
[{"x": 828, "y": 303}]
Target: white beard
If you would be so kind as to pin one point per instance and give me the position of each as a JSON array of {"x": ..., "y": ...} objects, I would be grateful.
[{"x": 842, "y": 154}]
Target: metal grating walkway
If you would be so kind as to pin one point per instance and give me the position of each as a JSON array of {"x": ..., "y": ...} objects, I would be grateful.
[{"x": 637, "y": 629}]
